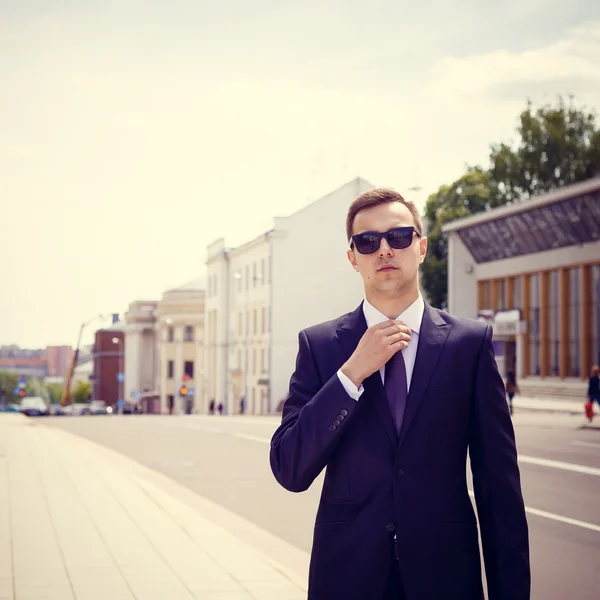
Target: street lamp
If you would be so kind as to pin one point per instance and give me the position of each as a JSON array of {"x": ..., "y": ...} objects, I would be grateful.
[{"x": 120, "y": 375}]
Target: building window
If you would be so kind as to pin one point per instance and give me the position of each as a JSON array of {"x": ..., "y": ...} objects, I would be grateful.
[
  {"x": 170, "y": 402},
  {"x": 247, "y": 271},
  {"x": 254, "y": 361},
  {"x": 262, "y": 360},
  {"x": 170, "y": 369},
  {"x": 170, "y": 334},
  {"x": 574, "y": 325},
  {"x": 264, "y": 319},
  {"x": 254, "y": 320},
  {"x": 553, "y": 322},
  {"x": 253, "y": 401},
  {"x": 502, "y": 294},
  {"x": 595, "y": 315},
  {"x": 188, "y": 368},
  {"x": 534, "y": 325},
  {"x": 247, "y": 322},
  {"x": 239, "y": 359},
  {"x": 254, "y": 274},
  {"x": 216, "y": 286},
  {"x": 188, "y": 334},
  {"x": 517, "y": 294},
  {"x": 240, "y": 323},
  {"x": 263, "y": 272}
]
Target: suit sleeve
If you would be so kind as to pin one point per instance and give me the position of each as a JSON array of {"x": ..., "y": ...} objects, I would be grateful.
[
  {"x": 496, "y": 479},
  {"x": 315, "y": 417}
]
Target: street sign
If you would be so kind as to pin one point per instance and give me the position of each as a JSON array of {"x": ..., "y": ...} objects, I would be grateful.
[{"x": 191, "y": 391}]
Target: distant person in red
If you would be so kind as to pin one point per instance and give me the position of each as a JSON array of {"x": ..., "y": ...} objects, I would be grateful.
[{"x": 594, "y": 389}]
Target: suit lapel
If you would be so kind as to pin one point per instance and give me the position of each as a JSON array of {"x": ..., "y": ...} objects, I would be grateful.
[
  {"x": 349, "y": 334},
  {"x": 432, "y": 338}
]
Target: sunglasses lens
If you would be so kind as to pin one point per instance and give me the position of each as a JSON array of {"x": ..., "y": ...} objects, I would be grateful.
[
  {"x": 367, "y": 243},
  {"x": 400, "y": 238}
]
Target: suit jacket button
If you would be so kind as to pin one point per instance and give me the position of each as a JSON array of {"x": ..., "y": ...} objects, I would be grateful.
[
  {"x": 344, "y": 412},
  {"x": 336, "y": 422},
  {"x": 332, "y": 428},
  {"x": 400, "y": 473},
  {"x": 390, "y": 527},
  {"x": 340, "y": 417}
]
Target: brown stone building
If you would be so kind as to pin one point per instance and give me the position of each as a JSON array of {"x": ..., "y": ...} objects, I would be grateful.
[{"x": 108, "y": 355}]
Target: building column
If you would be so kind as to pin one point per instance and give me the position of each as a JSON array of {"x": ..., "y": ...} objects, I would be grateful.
[
  {"x": 525, "y": 341},
  {"x": 585, "y": 293},
  {"x": 178, "y": 406},
  {"x": 544, "y": 329},
  {"x": 563, "y": 322}
]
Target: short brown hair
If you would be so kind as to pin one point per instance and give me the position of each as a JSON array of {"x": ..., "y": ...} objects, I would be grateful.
[{"x": 376, "y": 197}]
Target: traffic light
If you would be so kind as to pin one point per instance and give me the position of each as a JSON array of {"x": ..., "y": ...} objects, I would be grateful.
[
  {"x": 22, "y": 393},
  {"x": 183, "y": 390}
]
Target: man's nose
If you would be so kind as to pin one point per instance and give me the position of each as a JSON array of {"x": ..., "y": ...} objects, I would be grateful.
[{"x": 384, "y": 248}]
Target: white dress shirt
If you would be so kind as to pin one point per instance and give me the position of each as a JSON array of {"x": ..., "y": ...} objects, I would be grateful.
[{"x": 412, "y": 316}]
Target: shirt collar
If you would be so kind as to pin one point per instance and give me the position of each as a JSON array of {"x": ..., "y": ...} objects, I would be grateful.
[{"x": 412, "y": 316}]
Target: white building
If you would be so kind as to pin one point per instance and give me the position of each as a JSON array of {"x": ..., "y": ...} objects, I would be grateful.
[
  {"x": 533, "y": 269},
  {"x": 179, "y": 338},
  {"x": 261, "y": 294},
  {"x": 141, "y": 357}
]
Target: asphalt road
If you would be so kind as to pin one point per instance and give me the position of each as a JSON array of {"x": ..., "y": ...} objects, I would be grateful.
[{"x": 225, "y": 459}]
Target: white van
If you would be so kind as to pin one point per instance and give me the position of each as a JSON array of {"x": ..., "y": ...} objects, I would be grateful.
[{"x": 34, "y": 406}]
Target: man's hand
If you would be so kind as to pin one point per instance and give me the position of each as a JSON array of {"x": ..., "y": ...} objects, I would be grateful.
[{"x": 379, "y": 343}]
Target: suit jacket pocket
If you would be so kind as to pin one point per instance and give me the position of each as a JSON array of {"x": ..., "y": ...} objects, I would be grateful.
[{"x": 336, "y": 512}]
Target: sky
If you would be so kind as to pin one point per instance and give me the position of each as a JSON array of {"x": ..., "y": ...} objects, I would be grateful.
[{"x": 133, "y": 133}]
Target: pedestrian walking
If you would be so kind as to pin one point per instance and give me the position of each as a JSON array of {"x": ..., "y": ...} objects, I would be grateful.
[
  {"x": 511, "y": 389},
  {"x": 242, "y": 405},
  {"x": 220, "y": 408},
  {"x": 593, "y": 394},
  {"x": 211, "y": 407},
  {"x": 388, "y": 399}
]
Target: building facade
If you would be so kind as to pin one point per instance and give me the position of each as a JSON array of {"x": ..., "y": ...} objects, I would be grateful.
[
  {"x": 108, "y": 356},
  {"x": 533, "y": 270},
  {"x": 141, "y": 356},
  {"x": 59, "y": 360},
  {"x": 261, "y": 294},
  {"x": 179, "y": 336}
]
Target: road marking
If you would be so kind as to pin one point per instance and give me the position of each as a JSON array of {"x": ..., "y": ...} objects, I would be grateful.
[
  {"x": 589, "y": 444},
  {"x": 557, "y": 464},
  {"x": 254, "y": 438},
  {"x": 548, "y": 515}
]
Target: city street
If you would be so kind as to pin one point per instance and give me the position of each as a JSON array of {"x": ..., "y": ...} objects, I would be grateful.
[{"x": 225, "y": 460}]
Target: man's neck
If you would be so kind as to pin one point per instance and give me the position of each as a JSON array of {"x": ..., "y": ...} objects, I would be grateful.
[{"x": 392, "y": 304}]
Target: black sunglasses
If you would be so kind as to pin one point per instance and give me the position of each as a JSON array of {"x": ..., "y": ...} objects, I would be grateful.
[{"x": 370, "y": 241}]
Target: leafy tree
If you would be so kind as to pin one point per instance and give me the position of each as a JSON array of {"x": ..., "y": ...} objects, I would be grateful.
[
  {"x": 55, "y": 392},
  {"x": 471, "y": 193},
  {"x": 82, "y": 391},
  {"x": 8, "y": 382},
  {"x": 559, "y": 145}
]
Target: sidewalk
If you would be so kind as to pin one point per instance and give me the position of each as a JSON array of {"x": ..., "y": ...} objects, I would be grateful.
[
  {"x": 78, "y": 521},
  {"x": 549, "y": 404}
]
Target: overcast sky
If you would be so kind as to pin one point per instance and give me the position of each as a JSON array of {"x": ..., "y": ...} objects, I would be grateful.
[{"x": 133, "y": 133}]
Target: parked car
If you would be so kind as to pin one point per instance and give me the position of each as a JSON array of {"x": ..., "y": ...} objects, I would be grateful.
[
  {"x": 98, "y": 407},
  {"x": 12, "y": 408},
  {"x": 80, "y": 408},
  {"x": 56, "y": 409},
  {"x": 34, "y": 406}
]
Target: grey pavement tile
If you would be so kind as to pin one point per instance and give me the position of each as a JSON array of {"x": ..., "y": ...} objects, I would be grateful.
[{"x": 224, "y": 596}]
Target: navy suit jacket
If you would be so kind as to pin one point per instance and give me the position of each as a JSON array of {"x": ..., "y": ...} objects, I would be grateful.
[{"x": 378, "y": 484}]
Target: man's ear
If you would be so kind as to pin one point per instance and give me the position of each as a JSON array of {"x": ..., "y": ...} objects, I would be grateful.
[
  {"x": 352, "y": 259},
  {"x": 422, "y": 249}
]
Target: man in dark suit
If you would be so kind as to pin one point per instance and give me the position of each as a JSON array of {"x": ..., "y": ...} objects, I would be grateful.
[{"x": 389, "y": 398}]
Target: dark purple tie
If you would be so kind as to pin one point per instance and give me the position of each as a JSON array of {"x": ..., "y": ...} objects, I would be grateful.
[{"x": 396, "y": 388}]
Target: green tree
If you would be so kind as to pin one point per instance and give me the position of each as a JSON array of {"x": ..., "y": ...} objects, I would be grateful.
[
  {"x": 558, "y": 145},
  {"x": 471, "y": 193},
  {"x": 8, "y": 382},
  {"x": 55, "y": 392},
  {"x": 82, "y": 391}
]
